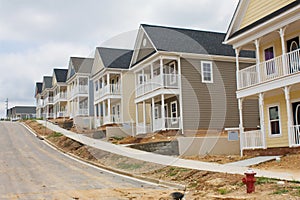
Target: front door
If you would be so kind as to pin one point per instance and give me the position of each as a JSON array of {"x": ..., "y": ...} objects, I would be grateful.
[
  {"x": 296, "y": 118},
  {"x": 113, "y": 114},
  {"x": 293, "y": 57}
]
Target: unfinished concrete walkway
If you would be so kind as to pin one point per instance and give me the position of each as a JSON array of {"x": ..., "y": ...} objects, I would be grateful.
[{"x": 167, "y": 160}]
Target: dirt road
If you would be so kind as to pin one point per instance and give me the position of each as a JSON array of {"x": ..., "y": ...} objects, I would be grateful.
[{"x": 30, "y": 169}]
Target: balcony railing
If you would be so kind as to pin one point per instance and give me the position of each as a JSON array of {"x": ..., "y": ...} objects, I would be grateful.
[
  {"x": 83, "y": 111},
  {"x": 112, "y": 89},
  {"x": 166, "y": 123},
  {"x": 253, "y": 139},
  {"x": 61, "y": 114},
  {"x": 80, "y": 89},
  {"x": 161, "y": 81},
  {"x": 141, "y": 129},
  {"x": 48, "y": 100},
  {"x": 295, "y": 136},
  {"x": 273, "y": 69},
  {"x": 60, "y": 97}
]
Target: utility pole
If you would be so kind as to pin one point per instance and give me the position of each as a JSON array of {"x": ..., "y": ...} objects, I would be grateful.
[{"x": 6, "y": 104}]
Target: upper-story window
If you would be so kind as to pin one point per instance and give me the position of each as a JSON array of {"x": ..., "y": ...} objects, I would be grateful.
[
  {"x": 142, "y": 78},
  {"x": 207, "y": 72},
  {"x": 96, "y": 86},
  {"x": 172, "y": 71},
  {"x": 270, "y": 64}
]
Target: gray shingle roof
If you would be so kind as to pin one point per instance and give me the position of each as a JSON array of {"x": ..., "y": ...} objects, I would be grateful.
[
  {"x": 39, "y": 87},
  {"x": 190, "y": 41},
  {"x": 25, "y": 109},
  {"x": 61, "y": 75},
  {"x": 115, "y": 58},
  {"x": 47, "y": 81},
  {"x": 82, "y": 65}
]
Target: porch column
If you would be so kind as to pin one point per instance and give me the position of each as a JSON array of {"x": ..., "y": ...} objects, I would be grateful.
[
  {"x": 144, "y": 116},
  {"x": 108, "y": 110},
  {"x": 180, "y": 95},
  {"x": 153, "y": 115},
  {"x": 104, "y": 109},
  {"x": 262, "y": 118},
  {"x": 289, "y": 113},
  {"x": 151, "y": 67},
  {"x": 237, "y": 53},
  {"x": 136, "y": 117},
  {"x": 95, "y": 115},
  {"x": 108, "y": 81},
  {"x": 283, "y": 47},
  {"x": 257, "y": 53},
  {"x": 241, "y": 127},
  {"x": 162, "y": 71},
  {"x": 78, "y": 106},
  {"x": 163, "y": 112}
]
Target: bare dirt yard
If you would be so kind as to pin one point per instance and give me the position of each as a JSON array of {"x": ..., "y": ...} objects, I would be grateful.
[{"x": 199, "y": 184}]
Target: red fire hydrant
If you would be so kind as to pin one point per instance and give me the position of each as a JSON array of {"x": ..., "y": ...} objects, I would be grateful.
[{"x": 249, "y": 180}]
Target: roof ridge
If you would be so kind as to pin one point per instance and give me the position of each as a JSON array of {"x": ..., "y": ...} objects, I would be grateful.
[
  {"x": 112, "y": 48},
  {"x": 184, "y": 29}
]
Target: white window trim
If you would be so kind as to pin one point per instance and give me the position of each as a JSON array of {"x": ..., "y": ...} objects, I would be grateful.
[
  {"x": 202, "y": 71},
  {"x": 269, "y": 122},
  {"x": 156, "y": 112},
  {"x": 172, "y": 78},
  {"x": 174, "y": 121},
  {"x": 144, "y": 78}
]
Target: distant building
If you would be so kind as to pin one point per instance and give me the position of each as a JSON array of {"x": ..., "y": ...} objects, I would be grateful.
[{"x": 21, "y": 112}]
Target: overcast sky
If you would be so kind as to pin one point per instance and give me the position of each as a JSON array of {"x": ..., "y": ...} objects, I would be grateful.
[{"x": 39, "y": 35}]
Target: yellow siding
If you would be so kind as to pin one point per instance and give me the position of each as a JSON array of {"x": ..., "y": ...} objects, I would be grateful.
[
  {"x": 258, "y": 9},
  {"x": 295, "y": 95},
  {"x": 281, "y": 141},
  {"x": 276, "y": 44},
  {"x": 128, "y": 95}
]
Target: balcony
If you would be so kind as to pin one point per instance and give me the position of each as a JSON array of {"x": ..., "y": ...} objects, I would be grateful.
[
  {"x": 169, "y": 81},
  {"x": 60, "y": 97},
  {"x": 48, "y": 100},
  {"x": 276, "y": 68},
  {"x": 79, "y": 90},
  {"x": 112, "y": 89}
]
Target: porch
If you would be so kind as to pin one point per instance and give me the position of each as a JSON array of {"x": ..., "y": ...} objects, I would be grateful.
[
  {"x": 273, "y": 69},
  {"x": 108, "y": 112}
]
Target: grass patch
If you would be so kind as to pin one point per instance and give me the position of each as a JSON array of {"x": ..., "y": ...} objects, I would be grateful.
[
  {"x": 130, "y": 166},
  {"x": 55, "y": 135},
  {"x": 264, "y": 180},
  {"x": 117, "y": 138},
  {"x": 223, "y": 191},
  {"x": 281, "y": 191}
]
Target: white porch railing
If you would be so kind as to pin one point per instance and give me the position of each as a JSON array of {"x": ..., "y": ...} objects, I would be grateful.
[
  {"x": 50, "y": 115},
  {"x": 284, "y": 65},
  {"x": 60, "y": 97},
  {"x": 48, "y": 100},
  {"x": 168, "y": 123},
  {"x": 80, "y": 89},
  {"x": 83, "y": 111},
  {"x": 161, "y": 81},
  {"x": 141, "y": 129},
  {"x": 112, "y": 89},
  {"x": 252, "y": 139},
  {"x": 61, "y": 114},
  {"x": 295, "y": 135}
]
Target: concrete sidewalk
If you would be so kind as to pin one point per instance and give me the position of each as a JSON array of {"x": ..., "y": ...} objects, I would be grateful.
[{"x": 166, "y": 160}]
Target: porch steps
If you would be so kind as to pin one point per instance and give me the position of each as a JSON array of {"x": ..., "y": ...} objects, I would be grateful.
[{"x": 253, "y": 161}]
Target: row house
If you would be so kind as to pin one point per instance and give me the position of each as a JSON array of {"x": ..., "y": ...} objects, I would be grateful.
[
  {"x": 185, "y": 80},
  {"x": 113, "y": 87},
  {"x": 271, "y": 28},
  {"x": 79, "y": 87},
  {"x": 39, "y": 100},
  {"x": 59, "y": 93},
  {"x": 47, "y": 94}
]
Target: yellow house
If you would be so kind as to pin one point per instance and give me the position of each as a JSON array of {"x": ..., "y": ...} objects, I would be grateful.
[{"x": 271, "y": 28}]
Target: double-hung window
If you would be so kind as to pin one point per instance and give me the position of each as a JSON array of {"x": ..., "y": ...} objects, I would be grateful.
[
  {"x": 207, "y": 72},
  {"x": 174, "y": 112},
  {"x": 274, "y": 120}
]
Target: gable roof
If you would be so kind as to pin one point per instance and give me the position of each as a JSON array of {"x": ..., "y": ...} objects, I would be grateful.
[
  {"x": 182, "y": 40},
  {"x": 61, "y": 75},
  {"x": 39, "y": 87},
  {"x": 47, "y": 82},
  {"x": 79, "y": 65},
  {"x": 234, "y": 24},
  {"x": 115, "y": 58},
  {"x": 189, "y": 41}
]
